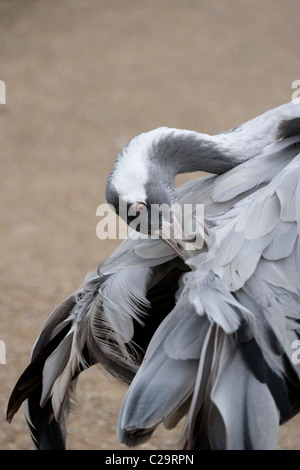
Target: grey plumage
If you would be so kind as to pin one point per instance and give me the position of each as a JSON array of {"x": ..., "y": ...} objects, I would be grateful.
[{"x": 208, "y": 337}]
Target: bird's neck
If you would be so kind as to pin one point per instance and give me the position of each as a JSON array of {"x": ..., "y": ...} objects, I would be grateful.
[{"x": 183, "y": 151}]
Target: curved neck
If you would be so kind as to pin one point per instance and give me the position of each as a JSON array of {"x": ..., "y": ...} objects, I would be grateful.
[
  {"x": 182, "y": 151},
  {"x": 185, "y": 151}
]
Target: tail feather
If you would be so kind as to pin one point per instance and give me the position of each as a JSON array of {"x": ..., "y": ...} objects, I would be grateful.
[
  {"x": 54, "y": 324},
  {"x": 53, "y": 437},
  {"x": 47, "y": 383},
  {"x": 30, "y": 382},
  {"x": 45, "y": 433}
]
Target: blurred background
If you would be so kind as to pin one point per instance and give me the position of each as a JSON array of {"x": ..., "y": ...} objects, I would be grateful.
[{"x": 82, "y": 78}]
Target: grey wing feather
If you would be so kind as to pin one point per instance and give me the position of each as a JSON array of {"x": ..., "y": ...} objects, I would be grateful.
[{"x": 169, "y": 384}]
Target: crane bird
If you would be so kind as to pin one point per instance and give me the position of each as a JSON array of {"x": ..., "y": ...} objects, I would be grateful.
[{"x": 202, "y": 331}]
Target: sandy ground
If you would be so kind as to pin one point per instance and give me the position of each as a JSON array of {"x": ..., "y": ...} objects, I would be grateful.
[{"x": 84, "y": 77}]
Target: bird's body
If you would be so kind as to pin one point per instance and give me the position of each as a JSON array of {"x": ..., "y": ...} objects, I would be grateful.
[{"x": 205, "y": 332}]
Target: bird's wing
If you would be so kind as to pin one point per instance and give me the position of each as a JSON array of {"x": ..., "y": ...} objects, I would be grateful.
[
  {"x": 230, "y": 337},
  {"x": 256, "y": 257}
]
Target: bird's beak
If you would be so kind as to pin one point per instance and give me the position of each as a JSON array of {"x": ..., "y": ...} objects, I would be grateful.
[{"x": 172, "y": 234}]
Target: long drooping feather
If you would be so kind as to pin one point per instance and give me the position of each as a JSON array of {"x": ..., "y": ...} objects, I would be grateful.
[{"x": 88, "y": 329}]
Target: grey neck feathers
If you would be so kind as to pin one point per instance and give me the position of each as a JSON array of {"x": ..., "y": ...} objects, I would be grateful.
[
  {"x": 188, "y": 151},
  {"x": 180, "y": 151}
]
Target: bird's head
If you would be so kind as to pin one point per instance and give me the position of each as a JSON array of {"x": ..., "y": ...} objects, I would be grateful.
[{"x": 141, "y": 188}]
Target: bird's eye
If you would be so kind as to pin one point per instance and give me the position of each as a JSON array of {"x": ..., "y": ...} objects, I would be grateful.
[{"x": 141, "y": 207}]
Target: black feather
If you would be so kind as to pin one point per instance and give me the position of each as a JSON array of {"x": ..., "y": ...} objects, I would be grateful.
[
  {"x": 256, "y": 362},
  {"x": 29, "y": 384},
  {"x": 288, "y": 128}
]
